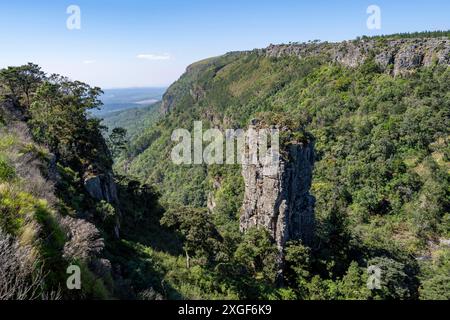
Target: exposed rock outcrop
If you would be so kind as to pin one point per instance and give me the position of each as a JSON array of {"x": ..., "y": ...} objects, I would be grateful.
[
  {"x": 102, "y": 187},
  {"x": 279, "y": 199},
  {"x": 393, "y": 56},
  {"x": 167, "y": 102},
  {"x": 403, "y": 54}
]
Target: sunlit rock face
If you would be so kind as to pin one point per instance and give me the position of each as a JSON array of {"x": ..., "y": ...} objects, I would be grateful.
[
  {"x": 395, "y": 56},
  {"x": 279, "y": 199}
]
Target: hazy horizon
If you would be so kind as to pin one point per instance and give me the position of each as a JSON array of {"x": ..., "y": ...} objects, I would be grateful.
[{"x": 150, "y": 43}]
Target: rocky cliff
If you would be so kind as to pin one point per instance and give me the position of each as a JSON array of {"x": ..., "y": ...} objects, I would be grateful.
[
  {"x": 396, "y": 56},
  {"x": 98, "y": 183},
  {"x": 279, "y": 199},
  {"x": 102, "y": 187}
]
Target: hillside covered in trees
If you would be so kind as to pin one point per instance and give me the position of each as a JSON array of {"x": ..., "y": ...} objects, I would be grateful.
[
  {"x": 140, "y": 227},
  {"x": 378, "y": 112},
  {"x": 60, "y": 204}
]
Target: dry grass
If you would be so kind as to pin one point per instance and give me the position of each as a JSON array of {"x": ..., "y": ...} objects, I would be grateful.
[
  {"x": 18, "y": 147},
  {"x": 20, "y": 279},
  {"x": 85, "y": 240}
]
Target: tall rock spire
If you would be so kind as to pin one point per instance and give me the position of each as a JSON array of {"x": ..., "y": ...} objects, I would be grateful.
[{"x": 279, "y": 200}]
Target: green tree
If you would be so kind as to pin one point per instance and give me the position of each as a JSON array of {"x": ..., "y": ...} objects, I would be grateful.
[
  {"x": 436, "y": 278},
  {"x": 353, "y": 285},
  {"x": 200, "y": 237},
  {"x": 298, "y": 267},
  {"x": 117, "y": 141},
  {"x": 59, "y": 120},
  {"x": 259, "y": 254},
  {"x": 397, "y": 280},
  {"x": 22, "y": 81}
]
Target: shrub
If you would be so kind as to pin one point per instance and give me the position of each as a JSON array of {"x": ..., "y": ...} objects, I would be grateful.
[
  {"x": 7, "y": 171},
  {"x": 84, "y": 242},
  {"x": 436, "y": 282},
  {"x": 396, "y": 281}
]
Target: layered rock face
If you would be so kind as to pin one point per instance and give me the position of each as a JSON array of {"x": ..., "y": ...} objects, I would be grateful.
[
  {"x": 279, "y": 200},
  {"x": 403, "y": 54}
]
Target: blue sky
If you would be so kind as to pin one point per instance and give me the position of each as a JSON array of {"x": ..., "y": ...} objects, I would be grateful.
[{"x": 150, "y": 43}]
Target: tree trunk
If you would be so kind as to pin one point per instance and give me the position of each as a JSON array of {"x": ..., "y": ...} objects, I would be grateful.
[{"x": 188, "y": 262}]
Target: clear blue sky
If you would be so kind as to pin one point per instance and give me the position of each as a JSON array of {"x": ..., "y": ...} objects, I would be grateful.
[{"x": 168, "y": 35}]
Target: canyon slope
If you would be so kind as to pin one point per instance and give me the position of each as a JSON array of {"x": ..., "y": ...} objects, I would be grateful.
[{"x": 376, "y": 111}]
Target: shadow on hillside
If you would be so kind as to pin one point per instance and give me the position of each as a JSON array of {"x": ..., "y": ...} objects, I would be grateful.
[{"x": 141, "y": 214}]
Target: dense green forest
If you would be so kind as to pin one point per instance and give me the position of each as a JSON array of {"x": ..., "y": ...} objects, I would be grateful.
[
  {"x": 381, "y": 184},
  {"x": 380, "y": 179},
  {"x": 134, "y": 120}
]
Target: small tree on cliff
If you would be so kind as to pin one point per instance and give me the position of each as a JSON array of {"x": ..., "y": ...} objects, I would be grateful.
[{"x": 22, "y": 81}]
